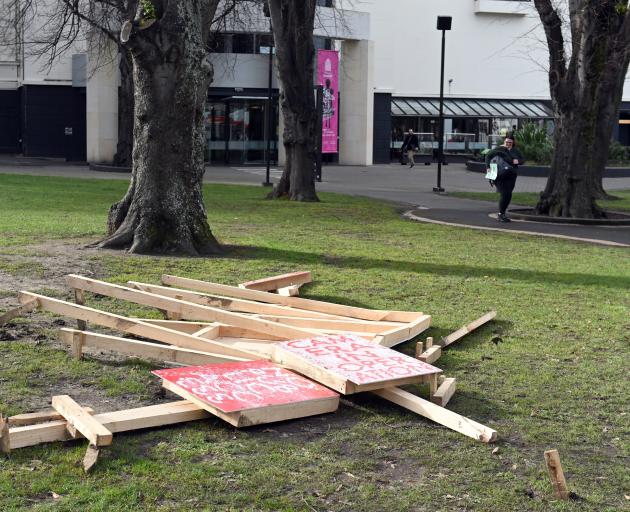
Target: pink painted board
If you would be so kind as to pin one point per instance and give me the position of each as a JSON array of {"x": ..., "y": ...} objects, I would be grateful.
[
  {"x": 240, "y": 386},
  {"x": 357, "y": 360}
]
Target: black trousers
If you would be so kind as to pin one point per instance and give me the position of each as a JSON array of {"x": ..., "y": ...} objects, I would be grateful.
[{"x": 505, "y": 185}]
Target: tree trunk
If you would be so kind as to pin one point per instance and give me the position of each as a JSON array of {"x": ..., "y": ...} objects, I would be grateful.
[
  {"x": 123, "y": 158},
  {"x": 163, "y": 210},
  {"x": 293, "y": 33},
  {"x": 586, "y": 92}
]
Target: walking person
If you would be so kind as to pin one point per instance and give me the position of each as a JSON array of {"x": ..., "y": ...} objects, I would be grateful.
[
  {"x": 411, "y": 145},
  {"x": 508, "y": 158}
]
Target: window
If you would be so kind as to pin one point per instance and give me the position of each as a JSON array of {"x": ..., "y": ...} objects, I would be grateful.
[{"x": 242, "y": 43}]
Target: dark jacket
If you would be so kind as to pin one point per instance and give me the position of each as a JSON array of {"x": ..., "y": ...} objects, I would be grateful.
[
  {"x": 411, "y": 142},
  {"x": 507, "y": 154}
]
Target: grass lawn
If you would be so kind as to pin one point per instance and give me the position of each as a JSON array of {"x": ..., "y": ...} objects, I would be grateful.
[
  {"x": 621, "y": 204},
  {"x": 550, "y": 372}
]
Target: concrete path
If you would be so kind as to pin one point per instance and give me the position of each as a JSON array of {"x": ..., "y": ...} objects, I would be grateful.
[{"x": 396, "y": 183}]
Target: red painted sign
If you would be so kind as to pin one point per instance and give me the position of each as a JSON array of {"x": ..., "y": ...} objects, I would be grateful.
[
  {"x": 357, "y": 360},
  {"x": 232, "y": 387}
]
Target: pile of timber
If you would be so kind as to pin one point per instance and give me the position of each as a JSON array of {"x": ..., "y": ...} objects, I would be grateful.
[{"x": 248, "y": 356}]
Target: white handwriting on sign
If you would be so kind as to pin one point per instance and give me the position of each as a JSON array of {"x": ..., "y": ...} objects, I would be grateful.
[
  {"x": 247, "y": 385},
  {"x": 357, "y": 359}
]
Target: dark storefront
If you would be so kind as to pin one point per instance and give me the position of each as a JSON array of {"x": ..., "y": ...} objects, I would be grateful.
[{"x": 235, "y": 126}]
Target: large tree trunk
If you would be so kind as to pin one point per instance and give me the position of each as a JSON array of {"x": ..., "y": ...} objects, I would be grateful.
[
  {"x": 163, "y": 210},
  {"x": 123, "y": 157},
  {"x": 585, "y": 92},
  {"x": 293, "y": 33}
]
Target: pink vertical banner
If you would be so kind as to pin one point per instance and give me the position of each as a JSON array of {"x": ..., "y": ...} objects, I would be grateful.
[{"x": 328, "y": 78}]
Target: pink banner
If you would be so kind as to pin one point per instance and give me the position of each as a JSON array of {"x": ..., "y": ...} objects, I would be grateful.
[{"x": 328, "y": 78}]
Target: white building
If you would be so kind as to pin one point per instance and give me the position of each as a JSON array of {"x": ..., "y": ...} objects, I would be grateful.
[{"x": 495, "y": 79}]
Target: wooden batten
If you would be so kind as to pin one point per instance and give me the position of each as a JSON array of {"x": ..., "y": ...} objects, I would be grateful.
[
  {"x": 142, "y": 349},
  {"x": 31, "y": 418},
  {"x": 556, "y": 474},
  {"x": 136, "y": 327},
  {"x": 267, "y": 284},
  {"x": 431, "y": 354},
  {"x": 187, "y": 310},
  {"x": 460, "y": 333},
  {"x": 81, "y": 420},
  {"x": 117, "y": 421},
  {"x": 438, "y": 414}
]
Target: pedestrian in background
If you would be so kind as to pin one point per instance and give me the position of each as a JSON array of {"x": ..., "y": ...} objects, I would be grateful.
[
  {"x": 410, "y": 144},
  {"x": 507, "y": 172}
]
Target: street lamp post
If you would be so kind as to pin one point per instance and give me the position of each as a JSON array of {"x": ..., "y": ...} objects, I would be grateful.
[
  {"x": 268, "y": 118},
  {"x": 443, "y": 24}
]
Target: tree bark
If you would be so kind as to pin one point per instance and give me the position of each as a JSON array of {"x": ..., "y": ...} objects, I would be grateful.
[
  {"x": 123, "y": 156},
  {"x": 163, "y": 210},
  {"x": 586, "y": 92},
  {"x": 293, "y": 33}
]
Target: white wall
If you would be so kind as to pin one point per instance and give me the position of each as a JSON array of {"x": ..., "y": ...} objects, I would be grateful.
[{"x": 487, "y": 55}]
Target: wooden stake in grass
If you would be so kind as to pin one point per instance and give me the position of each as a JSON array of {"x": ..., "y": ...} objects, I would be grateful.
[
  {"x": 558, "y": 482},
  {"x": 5, "y": 445}
]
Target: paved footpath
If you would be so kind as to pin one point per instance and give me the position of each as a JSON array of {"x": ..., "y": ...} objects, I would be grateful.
[{"x": 396, "y": 183}]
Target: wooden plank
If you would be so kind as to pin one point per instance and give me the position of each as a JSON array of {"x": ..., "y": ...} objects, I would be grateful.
[
  {"x": 187, "y": 310},
  {"x": 209, "y": 332},
  {"x": 349, "y": 364},
  {"x": 280, "y": 281},
  {"x": 136, "y": 327},
  {"x": 77, "y": 342},
  {"x": 177, "y": 325},
  {"x": 78, "y": 417},
  {"x": 558, "y": 482},
  {"x": 295, "y": 302},
  {"x": 431, "y": 355},
  {"x": 141, "y": 349},
  {"x": 438, "y": 414},
  {"x": 25, "y": 308},
  {"x": 460, "y": 333},
  {"x": 444, "y": 392},
  {"x": 116, "y": 421},
  {"x": 229, "y": 303},
  {"x": 249, "y": 393},
  {"x": 31, "y": 418}
]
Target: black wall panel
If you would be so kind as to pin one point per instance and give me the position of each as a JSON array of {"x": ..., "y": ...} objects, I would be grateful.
[
  {"x": 382, "y": 128},
  {"x": 10, "y": 121}
]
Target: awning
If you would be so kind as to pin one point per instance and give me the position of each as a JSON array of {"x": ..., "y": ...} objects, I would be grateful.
[{"x": 430, "y": 107}]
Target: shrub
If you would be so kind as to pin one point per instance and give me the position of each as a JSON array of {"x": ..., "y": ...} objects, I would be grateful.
[
  {"x": 617, "y": 151},
  {"x": 534, "y": 143}
]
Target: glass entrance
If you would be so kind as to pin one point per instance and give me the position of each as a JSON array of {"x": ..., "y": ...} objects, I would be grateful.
[{"x": 235, "y": 131}]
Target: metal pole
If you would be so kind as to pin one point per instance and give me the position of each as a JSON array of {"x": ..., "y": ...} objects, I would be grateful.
[
  {"x": 441, "y": 121},
  {"x": 268, "y": 117},
  {"x": 319, "y": 98}
]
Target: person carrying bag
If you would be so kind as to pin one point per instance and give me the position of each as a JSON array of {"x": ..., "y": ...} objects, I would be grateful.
[
  {"x": 410, "y": 145},
  {"x": 502, "y": 170}
]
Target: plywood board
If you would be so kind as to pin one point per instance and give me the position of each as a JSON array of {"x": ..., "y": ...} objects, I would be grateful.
[
  {"x": 249, "y": 393},
  {"x": 350, "y": 364}
]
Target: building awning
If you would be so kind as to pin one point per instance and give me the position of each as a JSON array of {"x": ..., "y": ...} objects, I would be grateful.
[{"x": 430, "y": 107}]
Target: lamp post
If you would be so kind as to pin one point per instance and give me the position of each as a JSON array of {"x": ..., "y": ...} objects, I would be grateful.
[
  {"x": 443, "y": 24},
  {"x": 268, "y": 119}
]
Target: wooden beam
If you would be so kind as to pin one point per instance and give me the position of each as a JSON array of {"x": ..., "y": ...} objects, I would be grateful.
[
  {"x": 438, "y": 414},
  {"x": 460, "y": 333},
  {"x": 276, "y": 282},
  {"x": 444, "y": 392},
  {"x": 431, "y": 355},
  {"x": 558, "y": 482},
  {"x": 78, "y": 417},
  {"x": 141, "y": 349},
  {"x": 77, "y": 342},
  {"x": 187, "y": 310},
  {"x": 230, "y": 303},
  {"x": 146, "y": 330},
  {"x": 79, "y": 298},
  {"x": 295, "y": 302},
  {"x": 31, "y": 418},
  {"x": 27, "y": 307},
  {"x": 117, "y": 421}
]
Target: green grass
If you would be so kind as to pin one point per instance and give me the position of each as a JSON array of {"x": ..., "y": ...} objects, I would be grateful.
[
  {"x": 558, "y": 378},
  {"x": 622, "y": 203}
]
